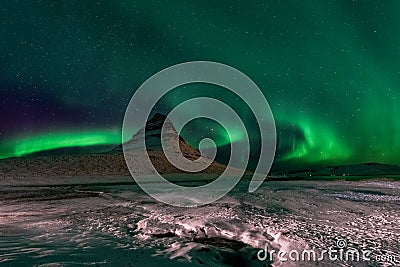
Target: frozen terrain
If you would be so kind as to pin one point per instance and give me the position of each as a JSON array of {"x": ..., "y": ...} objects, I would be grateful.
[{"x": 114, "y": 223}]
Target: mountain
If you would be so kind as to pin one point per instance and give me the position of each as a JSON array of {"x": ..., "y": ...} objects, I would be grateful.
[
  {"x": 153, "y": 138},
  {"x": 367, "y": 169},
  {"x": 112, "y": 163},
  {"x": 362, "y": 169},
  {"x": 174, "y": 144}
]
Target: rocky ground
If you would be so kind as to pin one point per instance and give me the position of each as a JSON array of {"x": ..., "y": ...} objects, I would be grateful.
[{"x": 119, "y": 225}]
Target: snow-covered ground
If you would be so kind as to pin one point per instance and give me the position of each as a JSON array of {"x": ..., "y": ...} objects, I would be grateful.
[{"x": 116, "y": 224}]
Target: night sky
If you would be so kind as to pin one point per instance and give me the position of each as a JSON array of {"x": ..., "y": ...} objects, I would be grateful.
[{"x": 329, "y": 69}]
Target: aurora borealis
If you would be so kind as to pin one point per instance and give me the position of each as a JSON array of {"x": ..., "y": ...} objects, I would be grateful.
[
  {"x": 61, "y": 140},
  {"x": 330, "y": 71}
]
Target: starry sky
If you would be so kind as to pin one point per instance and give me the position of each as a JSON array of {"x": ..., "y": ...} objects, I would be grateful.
[{"x": 330, "y": 71}]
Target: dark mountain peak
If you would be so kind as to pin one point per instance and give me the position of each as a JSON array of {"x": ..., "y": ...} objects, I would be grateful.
[
  {"x": 158, "y": 117},
  {"x": 153, "y": 137},
  {"x": 157, "y": 121}
]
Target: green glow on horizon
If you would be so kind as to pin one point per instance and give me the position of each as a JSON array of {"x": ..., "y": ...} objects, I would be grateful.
[
  {"x": 222, "y": 137},
  {"x": 43, "y": 142}
]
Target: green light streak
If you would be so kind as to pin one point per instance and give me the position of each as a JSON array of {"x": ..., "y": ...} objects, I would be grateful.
[
  {"x": 25, "y": 146},
  {"x": 231, "y": 135},
  {"x": 221, "y": 137}
]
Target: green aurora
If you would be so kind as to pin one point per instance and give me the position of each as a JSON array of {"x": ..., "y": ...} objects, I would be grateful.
[{"x": 25, "y": 146}]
